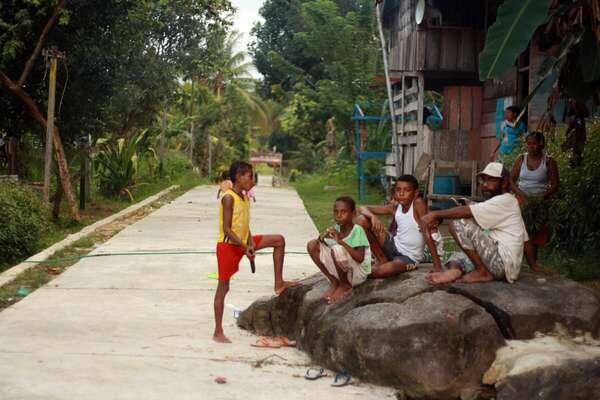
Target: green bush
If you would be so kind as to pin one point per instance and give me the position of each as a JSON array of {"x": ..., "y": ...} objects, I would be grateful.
[
  {"x": 116, "y": 162},
  {"x": 24, "y": 219},
  {"x": 575, "y": 209}
]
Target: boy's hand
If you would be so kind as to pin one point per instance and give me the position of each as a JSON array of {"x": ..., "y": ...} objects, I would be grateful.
[
  {"x": 378, "y": 227},
  {"x": 335, "y": 235},
  {"x": 250, "y": 251}
]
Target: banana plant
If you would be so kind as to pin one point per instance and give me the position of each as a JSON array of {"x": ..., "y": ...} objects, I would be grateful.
[
  {"x": 509, "y": 35},
  {"x": 116, "y": 162}
]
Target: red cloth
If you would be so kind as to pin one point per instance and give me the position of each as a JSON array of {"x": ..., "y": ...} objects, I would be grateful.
[{"x": 229, "y": 257}]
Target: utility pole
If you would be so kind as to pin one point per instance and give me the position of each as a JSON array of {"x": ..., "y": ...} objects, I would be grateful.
[
  {"x": 53, "y": 55},
  {"x": 209, "y": 156}
]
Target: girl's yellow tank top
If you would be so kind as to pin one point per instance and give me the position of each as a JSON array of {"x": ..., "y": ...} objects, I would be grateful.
[{"x": 240, "y": 219}]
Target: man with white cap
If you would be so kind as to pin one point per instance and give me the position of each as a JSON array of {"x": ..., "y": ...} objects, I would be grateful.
[{"x": 491, "y": 234}]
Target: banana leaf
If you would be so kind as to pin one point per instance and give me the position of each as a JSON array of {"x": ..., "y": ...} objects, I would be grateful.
[{"x": 509, "y": 35}]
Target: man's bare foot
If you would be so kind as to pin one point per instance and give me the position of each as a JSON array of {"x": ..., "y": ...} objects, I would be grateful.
[
  {"x": 341, "y": 292},
  {"x": 221, "y": 338},
  {"x": 540, "y": 269},
  {"x": 438, "y": 278},
  {"x": 282, "y": 286},
  {"x": 330, "y": 291},
  {"x": 476, "y": 276}
]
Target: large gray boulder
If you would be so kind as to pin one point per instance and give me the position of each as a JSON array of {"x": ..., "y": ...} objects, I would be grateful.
[
  {"x": 536, "y": 304},
  {"x": 429, "y": 341},
  {"x": 547, "y": 368}
]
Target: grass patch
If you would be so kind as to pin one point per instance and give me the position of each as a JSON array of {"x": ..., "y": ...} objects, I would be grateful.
[
  {"x": 41, "y": 274},
  {"x": 319, "y": 191},
  {"x": 100, "y": 207}
]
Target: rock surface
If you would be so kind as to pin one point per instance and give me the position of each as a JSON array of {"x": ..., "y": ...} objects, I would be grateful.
[
  {"x": 536, "y": 304},
  {"x": 431, "y": 342},
  {"x": 547, "y": 368}
]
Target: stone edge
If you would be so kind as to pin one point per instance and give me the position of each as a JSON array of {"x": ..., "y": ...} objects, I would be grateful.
[{"x": 10, "y": 274}]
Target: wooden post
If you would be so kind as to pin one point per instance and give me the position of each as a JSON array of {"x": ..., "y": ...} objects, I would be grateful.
[
  {"x": 163, "y": 128},
  {"x": 192, "y": 142},
  {"x": 388, "y": 85},
  {"x": 52, "y": 55},
  {"x": 209, "y": 156},
  {"x": 82, "y": 175}
]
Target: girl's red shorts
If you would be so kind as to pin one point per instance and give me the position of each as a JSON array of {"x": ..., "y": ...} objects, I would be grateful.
[{"x": 229, "y": 257}]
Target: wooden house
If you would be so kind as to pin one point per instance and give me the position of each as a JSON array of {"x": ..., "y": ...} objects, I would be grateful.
[{"x": 435, "y": 45}]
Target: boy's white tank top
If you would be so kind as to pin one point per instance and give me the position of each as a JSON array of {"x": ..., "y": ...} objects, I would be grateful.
[{"x": 408, "y": 240}]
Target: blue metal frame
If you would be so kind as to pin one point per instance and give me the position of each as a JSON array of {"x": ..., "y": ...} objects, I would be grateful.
[{"x": 358, "y": 116}]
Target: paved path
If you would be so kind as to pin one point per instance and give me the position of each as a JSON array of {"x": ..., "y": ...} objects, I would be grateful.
[{"x": 140, "y": 327}]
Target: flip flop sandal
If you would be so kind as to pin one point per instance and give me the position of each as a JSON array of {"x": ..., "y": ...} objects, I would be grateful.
[
  {"x": 266, "y": 343},
  {"x": 312, "y": 374},
  {"x": 284, "y": 341},
  {"x": 341, "y": 379},
  {"x": 411, "y": 267}
]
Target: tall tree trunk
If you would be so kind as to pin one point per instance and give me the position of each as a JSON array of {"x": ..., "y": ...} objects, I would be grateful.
[
  {"x": 58, "y": 147},
  {"x": 57, "y": 199},
  {"x": 13, "y": 155}
]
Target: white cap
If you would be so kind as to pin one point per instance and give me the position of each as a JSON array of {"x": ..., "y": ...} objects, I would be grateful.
[{"x": 493, "y": 169}]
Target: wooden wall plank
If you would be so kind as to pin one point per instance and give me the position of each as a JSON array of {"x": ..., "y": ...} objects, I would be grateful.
[
  {"x": 466, "y": 108},
  {"x": 477, "y": 93},
  {"x": 432, "y": 56},
  {"x": 449, "y": 51},
  {"x": 454, "y": 117}
]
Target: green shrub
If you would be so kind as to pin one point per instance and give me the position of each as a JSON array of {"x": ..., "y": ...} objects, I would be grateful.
[
  {"x": 24, "y": 219},
  {"x": 575, "y": 209},
  {"x": 117, "y": 161}
]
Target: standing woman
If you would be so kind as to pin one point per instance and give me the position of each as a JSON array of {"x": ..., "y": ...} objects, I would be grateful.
[{"x": 536, "y": 175}]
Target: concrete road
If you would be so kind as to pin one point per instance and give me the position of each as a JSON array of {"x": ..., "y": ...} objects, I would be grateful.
[{"x": 139, "y": 327}]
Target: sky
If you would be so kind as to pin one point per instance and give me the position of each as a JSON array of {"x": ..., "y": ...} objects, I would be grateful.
[{"x": 244, "y": 19}]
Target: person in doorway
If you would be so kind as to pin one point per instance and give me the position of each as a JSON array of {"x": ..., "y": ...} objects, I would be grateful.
[
  {"x": 235, "y": 241},
  {"x": 535, "y": 179},
  {"x": 342, "y": 251},
  {"x": 509, "y": 136},
  {"x": 402, "y": 248},
  {"x": 491, "y": 234}
]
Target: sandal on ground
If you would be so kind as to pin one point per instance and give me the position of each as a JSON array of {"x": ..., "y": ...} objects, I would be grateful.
[
  {"x": 341, "y": 379},
  {"x": 284, "y": 341},
  {"x": 266, "y": 343},
  {"x": 312, "y": 374}
]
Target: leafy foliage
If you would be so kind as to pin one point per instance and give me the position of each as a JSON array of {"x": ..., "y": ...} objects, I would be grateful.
[
  {"x": 116, "y": 162},
  {"x": 574, "y": 214},
  {"x": 317, "y": 57},
  {"x": 25, "y": 219},
  {"x": 509, "y": 35}
]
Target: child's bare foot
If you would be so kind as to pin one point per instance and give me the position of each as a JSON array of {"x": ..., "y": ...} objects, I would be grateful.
[
  {"x": 341, "y": 292},
  {"x": 540, "y": 269},
  {"x": 330, "y": 291},
  {"x": 284, "y": 285},
  {"x": 438, "y": 278},
  {"x": 476, "y": 276},
  {"x": 221, "y": 338},
  {"x": 436, "y": 268}
]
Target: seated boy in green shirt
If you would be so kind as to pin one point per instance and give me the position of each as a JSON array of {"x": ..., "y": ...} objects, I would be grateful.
[{"x": 342, "y": 252}]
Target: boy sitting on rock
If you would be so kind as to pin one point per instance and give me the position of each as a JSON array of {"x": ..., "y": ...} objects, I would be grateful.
[
  {"x": 342, "y": 251},
  {"x": 402, "y": 248}
]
